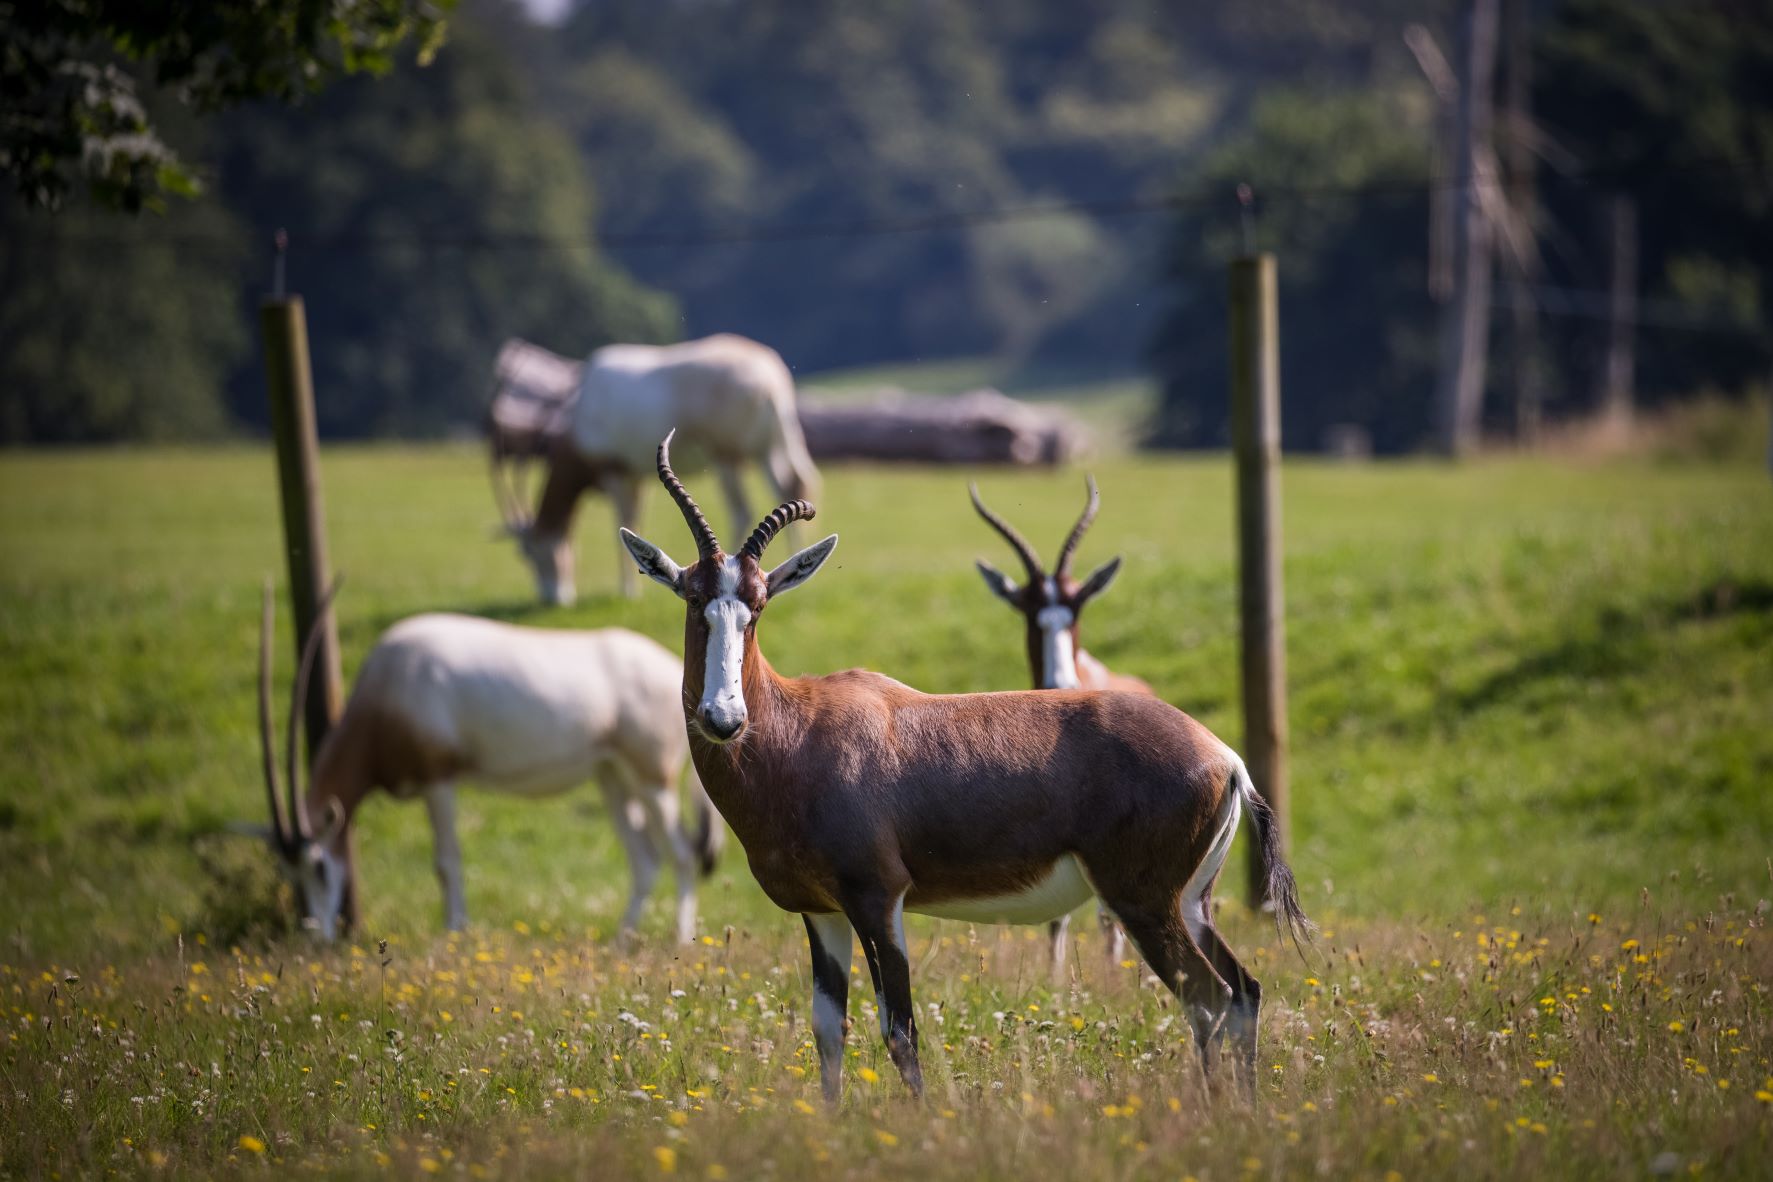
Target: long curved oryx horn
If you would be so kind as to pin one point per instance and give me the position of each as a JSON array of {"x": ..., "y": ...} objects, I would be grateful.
[
  {"x": 707, "y": 545},
  {"x": 770, "y": 526},
  {"x": 1077, "y": 531},
  {"x": 298, "y": 806},
  {"x": 280, "y": 831},
  {"x": 1023, "y": 550}
]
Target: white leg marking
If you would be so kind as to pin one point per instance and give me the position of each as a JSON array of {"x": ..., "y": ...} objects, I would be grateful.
[
  {"x": 1058, "y": 939},
  {"x": 446, "y": 853},
  {"x": 835, "y": 941}
]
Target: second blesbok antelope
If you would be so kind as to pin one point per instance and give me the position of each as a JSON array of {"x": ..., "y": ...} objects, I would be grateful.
[
  {"x": 1051, "y": 604},
  {"x": 523, "y": 711},
  {"x": 858, "y": 799}
]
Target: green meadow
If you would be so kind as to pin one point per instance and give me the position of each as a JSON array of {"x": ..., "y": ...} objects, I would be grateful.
[{"x": 1532, "y": 754}]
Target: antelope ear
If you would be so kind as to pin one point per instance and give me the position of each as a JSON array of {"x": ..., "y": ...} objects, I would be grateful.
[
  {"x": 801, "y": 566},
  {"x": 1000, "y": 583},
  {"x": 1099, "y": 579},
  {"x": 333, "y": 824},
  {"x": 654, "y": 563}
]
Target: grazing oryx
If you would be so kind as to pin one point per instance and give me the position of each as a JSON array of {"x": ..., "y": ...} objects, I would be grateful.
[
  {"x": 735, "y": 398},
  {"x": 858, "y": 799},
  {"x": 525, "y": 711},
  {"x": 1051, "y": 604}
]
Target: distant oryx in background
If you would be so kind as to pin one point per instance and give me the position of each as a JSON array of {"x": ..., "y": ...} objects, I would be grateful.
[
  {"x": 731, "y": 401},
  {"x": 524, "y": 711},
  {"x": 1050, "y": 605}
]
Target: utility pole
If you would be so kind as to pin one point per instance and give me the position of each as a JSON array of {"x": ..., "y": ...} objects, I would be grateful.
[
  {"x": 289, "y": 383},
  {"x": 1255, "y": 431}
]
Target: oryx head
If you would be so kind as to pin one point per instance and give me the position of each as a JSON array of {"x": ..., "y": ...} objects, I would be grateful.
[
  {"x": 724, "y": 594},
  {"x": 1050, "y": 603},
  {"x": 313, "y": 853}
]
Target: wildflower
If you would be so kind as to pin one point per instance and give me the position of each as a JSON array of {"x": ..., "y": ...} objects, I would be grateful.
[
  {"x": 805, "y": 1109},
  {"x": 251, "y": 1143},
  {"x": 868, "y": 1074},
  {"x": 430, "y": 1165},
  {"x": 1431, "y": 1077},
  {"x": 667, "y": 1159},
  {"x": 1677, "y": 1026},
  {"x": 1764, "y": 1096},
  {"x": 885, "y": 1138}
]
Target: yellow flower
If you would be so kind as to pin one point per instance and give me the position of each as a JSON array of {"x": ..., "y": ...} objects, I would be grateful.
[
  {"x": 1431, "y": 1077},
  {"x": 868, "y": 1074},
  {"x": 805, "y": 1109},
  {"x": 1677, "y": 1026},
  {"x": 679, "y": 1119},
  {"x": 667, "y": 1159},
  {"x": 885, "y": 1138},
  {"x": 430, "y": 1165},
  {"x": 251, "y": 1143},
  {"x": 716, "y": 1172}
]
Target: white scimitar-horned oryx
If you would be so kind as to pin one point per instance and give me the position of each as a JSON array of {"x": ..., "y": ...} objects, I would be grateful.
[
  {"x": 858, "y": 798},
  {"x": 523, "y": 711},
  {"x": 736, "y": 398},
  {"x": 1050, "y": 606}
]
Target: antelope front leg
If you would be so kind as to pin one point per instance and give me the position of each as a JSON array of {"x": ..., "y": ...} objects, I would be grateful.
[
  {"x": 624, "y": 495},
  {"x": 1058, "y": 937},
  {"x": 628, "y": 816},
  {"x": 440, "y": 802},
  {"x": 829, "y": 938},
  {"x": 665, "y": 828},
  {"x": 880, "y": 922}
]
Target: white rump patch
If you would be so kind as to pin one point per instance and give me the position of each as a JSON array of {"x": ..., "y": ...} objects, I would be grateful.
[
  {"x": 1194, "y": 911},
  {"x": 1064, "y": 888}
]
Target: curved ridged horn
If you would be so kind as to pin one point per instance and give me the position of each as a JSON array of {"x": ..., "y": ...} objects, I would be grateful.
[
  {"x": 1077, "y": 531},
  {"x": 707, "y": 545},
  {"x": 298, "y": 805},
  {"x": 280, "y": 830},
  {"x": 770, "y": 526},
  {"x": 1016, "y": 540}
]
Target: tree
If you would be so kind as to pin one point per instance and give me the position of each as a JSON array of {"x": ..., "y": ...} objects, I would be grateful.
[
  {"x": 69, "y": 102},
  {"x": 113, "y": 330},
  {"x": 431, "y": 214},
  {"x": 1344, "y": 211}
]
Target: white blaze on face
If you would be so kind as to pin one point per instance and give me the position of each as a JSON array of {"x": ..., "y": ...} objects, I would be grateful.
[
  {"x": 723, "y": 692},
  {"x": 1058, "y": 658}
]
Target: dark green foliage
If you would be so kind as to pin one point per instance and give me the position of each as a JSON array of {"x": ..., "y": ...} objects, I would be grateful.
[
  {"x": 431, "y": 215},
  {"x": 69, "y": 107},
  {"x": 1348, "y": 223},
  {"x": 114, "y": 330}
]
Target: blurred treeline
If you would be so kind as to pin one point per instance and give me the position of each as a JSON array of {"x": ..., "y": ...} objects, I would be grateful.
[{"x": 833, "y": 178}]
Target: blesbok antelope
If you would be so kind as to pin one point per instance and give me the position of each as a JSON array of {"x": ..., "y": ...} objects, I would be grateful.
[
  {"x": 523, "y": 711},
  {"x": 858, "y": 798},
  {"x": 735, "y": 398},
  {"x": 1051, "y": 605}
]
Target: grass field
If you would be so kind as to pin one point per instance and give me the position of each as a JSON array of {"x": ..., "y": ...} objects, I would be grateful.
[{"x": 1532, "y": 746}]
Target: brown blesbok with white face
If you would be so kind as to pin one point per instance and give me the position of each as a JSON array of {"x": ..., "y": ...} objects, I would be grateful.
[
  {"x": 858, "y": 799},
  {"x": 527, "y": 712},
  {"x": 1051, "y": 606}
]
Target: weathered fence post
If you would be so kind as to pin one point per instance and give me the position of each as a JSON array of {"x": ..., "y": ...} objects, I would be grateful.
[
  {"x": 1255, "y": 431},
  {"x": 289, "y": 382}
]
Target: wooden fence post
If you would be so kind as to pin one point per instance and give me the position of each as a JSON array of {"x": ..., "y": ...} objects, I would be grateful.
[
  {"x": 290, "y": 386},
  {"x": 1255, "y": 429}
]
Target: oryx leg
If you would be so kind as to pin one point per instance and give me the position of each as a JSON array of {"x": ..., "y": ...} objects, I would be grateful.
[
  {"x": 733, "y": 485},
  {"x": 830, "y": 940},
  {"x": 446, "y": 854},
  {"x": 879, "y": 920},
  {"x": 1058, "y": 938},
  {"x": 624, "y": 494},
  {"x": 664, "y": 828},
  {"x": 628, "y": 816},
  {"x": 1112, "y": 936}
]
